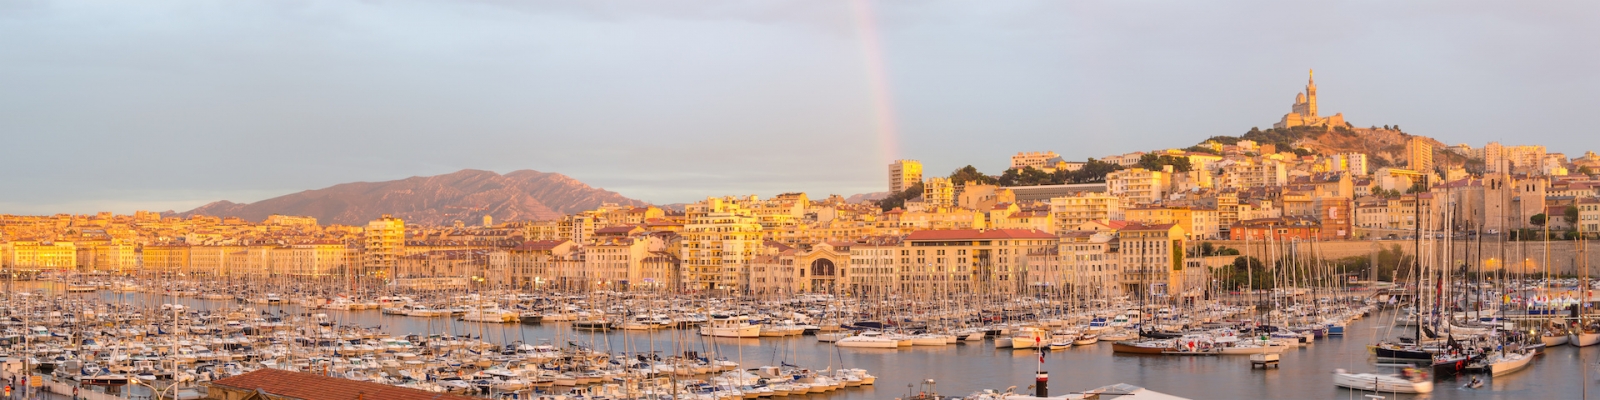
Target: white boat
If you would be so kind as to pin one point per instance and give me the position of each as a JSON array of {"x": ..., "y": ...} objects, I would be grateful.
[
  {"x": 491, "y": 314},
  {"x": 1391, "y": 383},
  {"x": 1553, "y": 340},
  {"x": 1583, "y": 338},
  {"x": 929, "y": 339},
  {"x": 874, "y": 340},
  {"x": 832, "y": 337},
  {"x": 734, "y": 327},
  {"x": 1509, "y": 362}
]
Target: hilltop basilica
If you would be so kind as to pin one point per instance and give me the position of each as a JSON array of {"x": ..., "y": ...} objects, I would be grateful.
[{"x": 1305, "y": 111}]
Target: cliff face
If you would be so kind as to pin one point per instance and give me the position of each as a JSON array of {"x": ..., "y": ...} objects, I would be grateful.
[{"x": 465, "y": 195}]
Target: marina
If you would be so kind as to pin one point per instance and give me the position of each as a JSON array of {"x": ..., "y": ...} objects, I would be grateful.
[{"x": 113, "y": 352}]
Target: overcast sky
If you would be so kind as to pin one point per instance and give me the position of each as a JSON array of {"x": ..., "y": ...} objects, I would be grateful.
[{"x": 156, "y": 105}]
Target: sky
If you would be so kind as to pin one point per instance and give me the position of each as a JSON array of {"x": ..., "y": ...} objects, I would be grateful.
[{"x": 168, "y": 105}]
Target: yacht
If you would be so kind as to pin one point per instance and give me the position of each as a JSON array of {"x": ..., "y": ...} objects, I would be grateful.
[
  {"x": 735, "y": 327},
  {"x": 1410, "y": 382},
  {"x": 871, "y": 339}
]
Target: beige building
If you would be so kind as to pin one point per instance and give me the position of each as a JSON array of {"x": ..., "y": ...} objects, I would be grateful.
[
  {"x": 1152, "y": 258},
  {"x": 1137, "y": 185},
  {"x": 904, "y": 174},
  {"x": 536, "y": 264},
  {"x": 1419, "y": 154},
  {"x": 718, "y": 242},
  {"x": 36, "y": 255},
  {"x": 938, "y": 192},
  {"x": 384, "y": 243},
  {"x": 874, "y": 270},
  {"x": 942, "y": 262},
  {"x": 1071, "y": 211}
]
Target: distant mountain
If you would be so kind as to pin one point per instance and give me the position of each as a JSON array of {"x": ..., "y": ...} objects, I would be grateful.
[
  {"x": 465, "y": 195},
  {"x": 866, "y": 197}
]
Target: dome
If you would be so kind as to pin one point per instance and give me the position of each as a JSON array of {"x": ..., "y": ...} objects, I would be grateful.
[{"x": 1300, "y": 98}]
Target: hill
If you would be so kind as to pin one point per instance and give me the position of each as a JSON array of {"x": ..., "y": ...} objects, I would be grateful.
[
  {"x": 465, "y": 195},
  {"x": 1385, "y": 146}
]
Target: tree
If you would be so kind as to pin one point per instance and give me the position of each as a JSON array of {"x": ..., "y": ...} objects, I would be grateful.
[
  {"x": 1155, "y": 162},
  {"x": 1572, "y": 215},
  {"x": 895, "y": 200},
  {"x": 966, "y": 174},
  {"x": 1537, "y": 219}
]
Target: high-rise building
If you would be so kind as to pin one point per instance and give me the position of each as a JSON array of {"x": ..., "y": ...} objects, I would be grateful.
[
  {"x": 1419, "y": 153},
  {"x": 385, "y": 240},
  {"x": 719, "y": 241},
  {"x": 1494, "y": 158},
  {"x": 904, "y": 174}
]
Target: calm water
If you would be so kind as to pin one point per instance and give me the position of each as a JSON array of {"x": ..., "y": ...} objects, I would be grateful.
[{"x": 963, "y": 369}]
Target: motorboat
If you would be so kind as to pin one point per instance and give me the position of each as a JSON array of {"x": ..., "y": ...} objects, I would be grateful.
[
  {"x": 869, "y": 339},
  {"x": 734, "y": 327}
]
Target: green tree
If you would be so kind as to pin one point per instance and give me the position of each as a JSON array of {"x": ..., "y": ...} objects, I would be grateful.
[
  {"x": 967, "y": 174},
  {"x": 895, "y": 200},
  {"x": 1572, "y": 215},
  {"x": 1154, "y": 162},
  {"x": 1537, "y": 219}
]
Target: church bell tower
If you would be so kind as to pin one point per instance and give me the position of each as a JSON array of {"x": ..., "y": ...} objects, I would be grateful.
[{"x": 1311, "y": 94}]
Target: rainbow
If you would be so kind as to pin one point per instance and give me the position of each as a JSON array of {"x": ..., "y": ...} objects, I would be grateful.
[{"x": 877, "y": 77}]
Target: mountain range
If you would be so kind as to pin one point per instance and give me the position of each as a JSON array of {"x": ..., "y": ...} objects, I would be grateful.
[{"x": 467, "y": 195}]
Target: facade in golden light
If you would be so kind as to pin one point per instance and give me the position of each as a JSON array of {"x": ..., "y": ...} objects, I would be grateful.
[
  {"x": 904, "y": 174},
  {"x": 1137, "y": 185},
  {"x": 1419, "y": 154},
  {"x": 939, "y": 263},
  {"x": 1071, "y": 211},
  {"x": 938, "y": 192},
  {"x": 385, "y": 243},
  {"x": 1152, "y": 258},
  {"x": 36, "y": 255},
  {"x": 718, "y": 243}
]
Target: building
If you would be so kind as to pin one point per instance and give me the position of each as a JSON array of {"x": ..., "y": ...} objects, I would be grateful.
[
  {"x": 904, "y": 174},
  {"x": 1071, "y": 211},
  {"x": 938, "y": 192},
  {"x": 1419, "y": 154},
  {"x": 718, "y": 242},
  {"x": 1279, "y": 229},
  {"x": 938, "y": 263},
  {"x": 1353, "y": 163},
  {"x": 873, "y": 268},
  {"x": 1047, "y": 192},
  {"x": 1137, "y": 185},
  {"x": 385, "y": 243},
  {"x": 536, "y": 264},
  {"x": 1304, "y": 111},
  {"x": 1047, "y": 161},
  {"x": 1152, "y": 258},
  {"x": 36, "y": 255},
  {"x": 1589, "y": 216}
]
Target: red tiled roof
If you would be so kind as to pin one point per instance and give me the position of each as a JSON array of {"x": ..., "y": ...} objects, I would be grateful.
[
  {"x": 955, "y": 234},
  {"x": 306, "y": 386}
]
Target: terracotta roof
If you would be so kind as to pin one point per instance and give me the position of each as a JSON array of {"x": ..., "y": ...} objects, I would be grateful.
[
  {"x": 955, "y": 234},
  {"x": 306, "y": 386}
]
